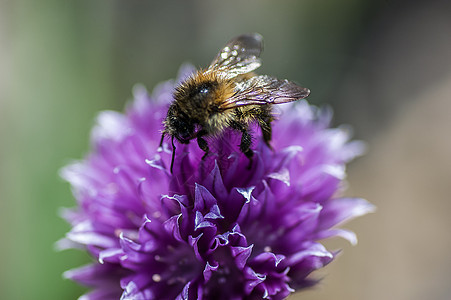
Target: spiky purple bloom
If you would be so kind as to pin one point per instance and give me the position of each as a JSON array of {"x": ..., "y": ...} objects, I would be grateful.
[{"x": 213, "y": 229}]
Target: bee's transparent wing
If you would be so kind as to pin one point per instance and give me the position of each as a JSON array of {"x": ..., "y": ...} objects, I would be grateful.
[
  {"x": 260, "y": 90},
  {"x": 239, "y": 56}
]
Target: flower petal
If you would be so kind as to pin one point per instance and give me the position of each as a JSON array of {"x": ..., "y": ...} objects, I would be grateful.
[{"x": 344, "y": 209}]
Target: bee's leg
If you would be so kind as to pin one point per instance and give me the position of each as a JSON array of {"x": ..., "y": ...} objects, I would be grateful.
[
  {"x": 203, "y": 145},
  {"x": 245, "y": 146},
  {"x": 264, "y": 120},
  {"x": 246, "y": 141},
  {"x": 267, "y": 133}
]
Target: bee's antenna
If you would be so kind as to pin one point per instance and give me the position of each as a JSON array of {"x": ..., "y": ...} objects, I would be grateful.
[
  {"x": 160, "y": 148},
  {"x": 173, "y": 153}
]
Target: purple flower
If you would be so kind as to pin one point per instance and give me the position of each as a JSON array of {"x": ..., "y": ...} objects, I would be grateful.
[{"x": 213, "y": 229}]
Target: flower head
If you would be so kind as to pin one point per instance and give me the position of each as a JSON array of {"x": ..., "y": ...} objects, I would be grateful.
[{"x": 212, "y": 229}]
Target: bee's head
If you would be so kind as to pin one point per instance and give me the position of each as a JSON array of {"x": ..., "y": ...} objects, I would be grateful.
[{"x": 179, "y": 125}]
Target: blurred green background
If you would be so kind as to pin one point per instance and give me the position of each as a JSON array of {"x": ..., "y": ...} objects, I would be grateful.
[{"x": 384, "y": 67}]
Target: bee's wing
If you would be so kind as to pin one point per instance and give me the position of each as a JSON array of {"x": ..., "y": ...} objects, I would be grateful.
[
  {"x": 260, "y": 90},
  {"x": 239, "y": 56}
]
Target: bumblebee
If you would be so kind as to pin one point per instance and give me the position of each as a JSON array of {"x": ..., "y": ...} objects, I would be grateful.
[{"x": 228, "y": 95}]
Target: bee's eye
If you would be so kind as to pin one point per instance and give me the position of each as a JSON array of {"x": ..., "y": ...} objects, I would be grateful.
[
  {"x": 201, "y": 93},
  {"x": 204, "y": 90}
]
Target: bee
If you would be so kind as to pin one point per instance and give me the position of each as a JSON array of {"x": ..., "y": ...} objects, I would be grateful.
[{"x": 228, "y": 94}]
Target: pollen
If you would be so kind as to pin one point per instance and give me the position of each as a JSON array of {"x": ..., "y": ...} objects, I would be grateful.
[{"x": 156, "y": 277}]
